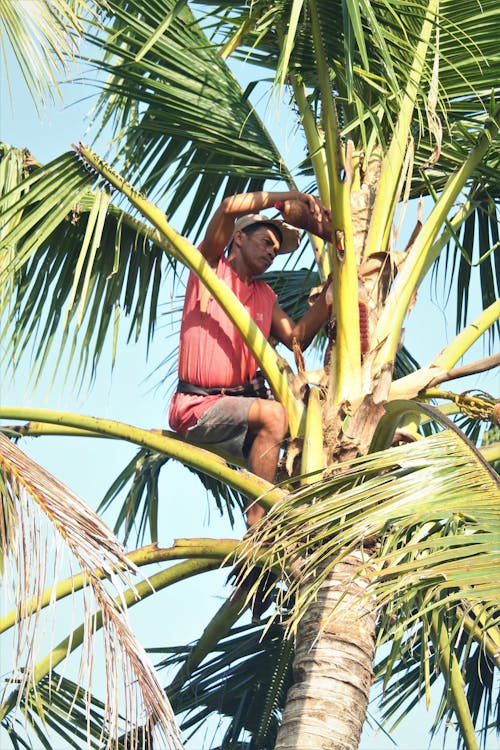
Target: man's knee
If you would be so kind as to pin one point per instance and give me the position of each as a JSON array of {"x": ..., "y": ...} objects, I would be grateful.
[{"x": 269, "y": 415}]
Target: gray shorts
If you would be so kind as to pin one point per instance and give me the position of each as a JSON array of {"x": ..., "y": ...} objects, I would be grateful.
[{"x": 224, "y": 426}]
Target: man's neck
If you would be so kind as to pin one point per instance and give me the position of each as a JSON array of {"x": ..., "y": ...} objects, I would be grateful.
[{"x": 240, "y": 269}]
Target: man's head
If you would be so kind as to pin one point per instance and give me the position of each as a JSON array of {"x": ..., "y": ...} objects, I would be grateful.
[{"x": 288, "y": 236}]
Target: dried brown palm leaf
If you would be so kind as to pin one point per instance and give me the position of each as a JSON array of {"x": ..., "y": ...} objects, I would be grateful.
[{"x": 41, "y": 519}]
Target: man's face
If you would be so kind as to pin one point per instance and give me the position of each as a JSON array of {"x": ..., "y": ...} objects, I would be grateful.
[{"x": 258, "y": 249}]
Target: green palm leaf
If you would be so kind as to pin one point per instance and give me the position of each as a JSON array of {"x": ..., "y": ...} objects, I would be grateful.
[
  {"x": 196, "y": 124},
  {"x": 62, "y": 707},
  {"x": 43, "y": 38},
  {"x": 403, "y": 681},
  {"x": 140, "y": 506},
  {"x": 367, "y": 92},
  {"x": 80, "y": 266},
  {"x": 429, "y": 524},
  {"x": 246, "y": 679}
]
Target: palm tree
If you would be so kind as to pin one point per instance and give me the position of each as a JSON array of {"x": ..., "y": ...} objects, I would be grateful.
[{"x": 384, "y": 528}]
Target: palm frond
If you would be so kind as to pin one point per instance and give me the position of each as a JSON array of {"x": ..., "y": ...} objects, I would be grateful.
[
  {"x": 432, "y": 505},
  {"x": 426, "y": 519},
  {"x": 472, "y": 254},
  {"x": 246, "y": 680},
  {"x": 180, "y": 106},
  {"x": 61, "y": 707},
  {"x": 44, "y": 39},
  {"x": 368, "y": 47},
  {"x": 411, "y": 668},
  {"x": 35, "y": 496},
  {"x": 293, "y": 288},
  {"x": 72, "y": 268},
  {"x": 140, "y": 507},
  {"x": 405, "y": 363}
]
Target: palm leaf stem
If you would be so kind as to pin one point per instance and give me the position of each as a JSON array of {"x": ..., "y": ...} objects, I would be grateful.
[
  {"x": 190, "y": 455},
  {"x": 450, "y": 668},
  {"x": 216, "y": 629},
  {"x": 315, "y": 143},
  {"x": 481, "y": 365},
  {"x": 396, "y": 306},
  {"x": 141, "y": 591},
  {"x": 488, "y": 639},
  {"x": 398, "y": 410},
  {"x": 313, "y": 455},
  {"x": 319, "y": 164},
  {"x": 216, "y": 549},
  {"x": 439, "y": 370},
  {"x": 450, "y": 231},
  {"x": 37, "y": 429},
  {"x": 345, "y": 377},
  {"x": 192, "y": 258},
  {"x": 395, "y": 412},
  {"x": 386, "y": 199},
  {"x": 232, "y": 44},
  {"x": 335, "y": 159},
  {"x": 468, "y": 336},
  {"x": 491, "y": 452}
]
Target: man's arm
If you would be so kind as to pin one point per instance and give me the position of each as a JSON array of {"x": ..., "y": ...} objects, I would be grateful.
[
  {"x": 285, "y": 330},
  {"x": 221, "y": 225}
]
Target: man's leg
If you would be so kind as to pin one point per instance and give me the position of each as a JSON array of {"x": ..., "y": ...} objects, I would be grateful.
[
  {"x": 268, "y": 425},
  {"x": 252, "y": 427}
]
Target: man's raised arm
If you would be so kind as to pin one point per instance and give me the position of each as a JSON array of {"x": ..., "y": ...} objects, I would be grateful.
[{"x": 220, "y": 227}]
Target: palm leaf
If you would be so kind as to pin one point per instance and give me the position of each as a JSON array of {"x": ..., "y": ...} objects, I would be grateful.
[
  {"x": 403, "y": 680},
  {"x": 80, "y": 266},
  {"x": 293, "y": 288},
  {"x": 43, "y": 38},
  {"x": 74, "y": 717},
  {"x": 471, "y": 255},
  {"x": 368, "y": 53},
  {"x": 62, "y": 707},
  {"x": 196, "y": 124},
  {"x": 139, "y": 510},
  {"x": 368, "y": 47},
  {"x": 409, "y": 497},
  {"x": 245, "y": 680},
  {"x": 431, "y": 554}
]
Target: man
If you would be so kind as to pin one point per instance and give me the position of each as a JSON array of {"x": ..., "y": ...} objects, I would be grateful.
[{"x": 214, "y": 359}]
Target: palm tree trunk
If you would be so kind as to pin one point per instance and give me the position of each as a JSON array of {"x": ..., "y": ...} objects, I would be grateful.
[{"x": 326, "y": 706}]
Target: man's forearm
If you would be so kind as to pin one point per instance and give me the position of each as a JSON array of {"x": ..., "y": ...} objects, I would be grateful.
[
  {"x": 308, "y": 326},
  {"x": 243, "y": 203}
]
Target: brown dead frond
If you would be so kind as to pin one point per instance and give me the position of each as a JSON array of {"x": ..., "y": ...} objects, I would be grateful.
[{"x": 42, "y": 519}]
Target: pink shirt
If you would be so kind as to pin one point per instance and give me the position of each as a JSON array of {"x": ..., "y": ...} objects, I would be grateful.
[{"x": 212, "y": 352}]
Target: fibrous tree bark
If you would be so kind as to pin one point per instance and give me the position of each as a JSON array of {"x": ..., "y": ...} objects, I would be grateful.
[{"x": 326, "y": 705}]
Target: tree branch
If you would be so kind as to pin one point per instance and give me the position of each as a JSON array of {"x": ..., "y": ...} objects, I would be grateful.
[{"x": 480, "y": 365}]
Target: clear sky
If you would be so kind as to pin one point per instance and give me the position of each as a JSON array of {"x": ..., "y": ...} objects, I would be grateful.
[{"x": 129, "y": 394}]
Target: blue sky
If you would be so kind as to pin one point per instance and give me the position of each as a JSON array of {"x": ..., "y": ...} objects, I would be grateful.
[{"x": 128, "y": 394}]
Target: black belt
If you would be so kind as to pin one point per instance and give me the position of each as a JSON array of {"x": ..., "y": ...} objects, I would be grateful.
[{"x": 256, "y": 387}]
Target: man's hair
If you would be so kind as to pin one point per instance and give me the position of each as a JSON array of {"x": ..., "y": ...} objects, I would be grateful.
[{"x": 253, "y": 228}]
